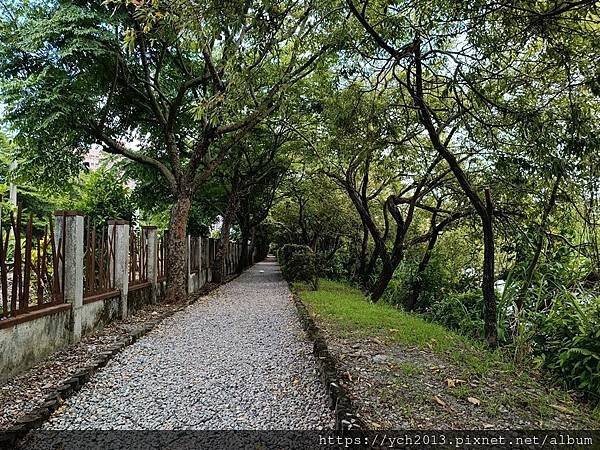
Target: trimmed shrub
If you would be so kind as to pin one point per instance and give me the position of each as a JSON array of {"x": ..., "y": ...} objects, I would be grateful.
[
  {"x": 298, "y": 263},
  {"x": 284, "y": 253}
]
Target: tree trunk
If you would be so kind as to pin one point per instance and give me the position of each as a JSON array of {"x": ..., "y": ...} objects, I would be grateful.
[
  {"x": 364, "y": 248},
  {"x": 244, "y": 257},
  {"x": 382, "y": 282},
  {"x": 417, "y": 286},
  {"x": 490, "y": 314},
  {"x": 252, "y": 246},
  {"x": 366, "y": 283},
  {"x": 218, "y": 273},
  {"x": 484, "y": 210},
  {"x": 176, "y": 250},
  {"x": 314, "y": 242},
  {"x": 538, "y": 246}
]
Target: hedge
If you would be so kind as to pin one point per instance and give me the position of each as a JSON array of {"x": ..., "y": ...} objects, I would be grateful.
[{"x": 298, "y": 263}]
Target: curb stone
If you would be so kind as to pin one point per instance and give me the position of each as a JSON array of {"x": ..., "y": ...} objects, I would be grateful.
[{"x": 345, "y": 415}]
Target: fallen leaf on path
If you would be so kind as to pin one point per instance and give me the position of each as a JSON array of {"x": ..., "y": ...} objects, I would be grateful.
[
  {"x": 562, "y": 409},
  {"x": 439, "y": 401},
  {"x": 453, "y": 382},
  {"x": 474, "y": 401}
]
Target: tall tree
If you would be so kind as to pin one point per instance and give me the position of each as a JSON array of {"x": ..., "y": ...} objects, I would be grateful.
[
  {"x": 460, "y": 71},
  {"x": 170, "y": 85}
]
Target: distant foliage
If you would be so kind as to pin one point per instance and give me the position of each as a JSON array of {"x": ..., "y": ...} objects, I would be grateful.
[
  {"x": 103, "y": 195},
  {"x": 336, "y": 266},
  {"x": 299, "y": 263}
]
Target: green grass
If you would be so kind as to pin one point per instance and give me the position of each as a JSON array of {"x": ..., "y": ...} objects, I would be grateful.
[
  {"x": 347, "y": 309},
  {"x": 409, "y": 369}
]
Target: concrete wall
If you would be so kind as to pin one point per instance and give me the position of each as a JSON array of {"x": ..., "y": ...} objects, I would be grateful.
[
  {"x": 96, "y": 314},
  {"x": 138, "y": 298},
  {"x": 194, "y": 282},
  {"x": 25, "y": 343}
]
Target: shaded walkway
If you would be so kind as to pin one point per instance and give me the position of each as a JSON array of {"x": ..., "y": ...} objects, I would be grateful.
[{"x": 237, "y": 359}]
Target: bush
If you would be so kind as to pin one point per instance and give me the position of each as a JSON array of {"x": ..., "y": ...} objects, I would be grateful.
[
  {"x": 441, "y": 278},
  {"x": 568, "y": 342},
  {"x": 285, "y": 252},
  {"x": 462, "y": 312},
  {"x": 298, "y": 263},
  {"x": 336, "y": 267}
]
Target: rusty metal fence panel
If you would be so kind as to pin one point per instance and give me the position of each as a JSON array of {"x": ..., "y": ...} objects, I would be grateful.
[
  {"x": 138, "y": 257},
  {"x": 99, "y": 263},
  {"x": 30, "y": 276},
  {"x": 161, "y": 257}
]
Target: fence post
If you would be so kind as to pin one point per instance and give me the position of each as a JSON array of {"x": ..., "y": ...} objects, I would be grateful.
[
  {"x": 152, "y": 255},
  {"x": 208, "y": 259},
  {"x": 198, "y": 263},
  {"x": 119, "y": 273},
  {"x": 228, "y": 254},
  {"x": 235, "y": 250},
  {"x": 204, "y": 259},
  {"x": 68, "y": 225},
  {"x": 188, "y": 260},
  {"x": 201, "y": 276}
]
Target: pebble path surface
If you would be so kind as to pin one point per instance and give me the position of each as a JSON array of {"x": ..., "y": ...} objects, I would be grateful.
[{"x": 236, "y": 359}]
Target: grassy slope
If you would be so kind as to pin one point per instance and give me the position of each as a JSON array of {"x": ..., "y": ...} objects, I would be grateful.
[
  {"x": 347, "y": 313},
  {"x": 348, "y": 310}
]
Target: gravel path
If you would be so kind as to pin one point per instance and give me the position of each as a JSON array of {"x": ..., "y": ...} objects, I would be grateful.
[{"x": 236, "y": 359}]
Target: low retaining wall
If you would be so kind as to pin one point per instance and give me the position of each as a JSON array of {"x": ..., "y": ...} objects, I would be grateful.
[
  {"x": 345, "y": 415},
  {"x": 31, "y": 337},
  {"x": 138, "y": 297},
  {"x": 98, "y": 313},
  {"x": 134, "y": 274}
]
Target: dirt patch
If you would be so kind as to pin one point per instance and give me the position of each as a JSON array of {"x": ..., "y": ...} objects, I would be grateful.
[{"x": 398, "y": 387}]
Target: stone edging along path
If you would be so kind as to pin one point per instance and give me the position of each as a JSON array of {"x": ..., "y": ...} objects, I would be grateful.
[
  {"x": 68, "y": 387},
  {"x": 345, "y": 415}
]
